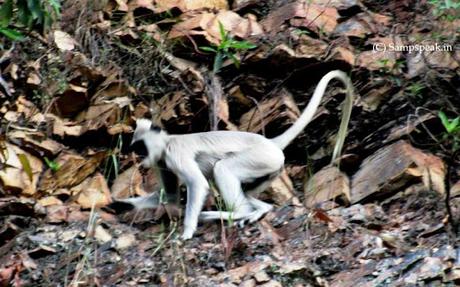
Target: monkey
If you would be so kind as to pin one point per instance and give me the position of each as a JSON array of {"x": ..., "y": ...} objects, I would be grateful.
[{"x": 233, "y": 160}]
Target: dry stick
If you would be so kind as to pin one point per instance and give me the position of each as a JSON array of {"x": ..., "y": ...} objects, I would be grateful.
[
  {"x": 215, "y": 94},
  {"x": 450, "y": 217},
  {"x": 450, "y": 162},
  {"x": 321, "y": 13},
  {"x": 257, "y": 106}
]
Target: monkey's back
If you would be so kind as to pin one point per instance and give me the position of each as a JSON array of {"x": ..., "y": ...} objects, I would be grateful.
[{"x": 209, "y": 147}]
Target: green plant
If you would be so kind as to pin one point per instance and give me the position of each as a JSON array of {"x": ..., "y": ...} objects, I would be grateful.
[
  {"x": 227, "y": 49},
  {"x": 54, "y": 166},
  {"x": 29, "y": 14},
  {"x": 452, "y": 127},
  {"x": 26, "y": 165},
  {"x": 300, "y": 32},
  {"x": 445, "y": 7},
  {"x": 415, "y": 89},
  {"x": 112, "y": 167}
]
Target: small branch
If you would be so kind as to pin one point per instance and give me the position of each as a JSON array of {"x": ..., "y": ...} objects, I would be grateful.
[{"x": 451, "y": 219}]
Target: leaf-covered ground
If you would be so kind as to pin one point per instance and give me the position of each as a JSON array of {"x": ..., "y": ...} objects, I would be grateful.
[{"x": 71, "y": 91}]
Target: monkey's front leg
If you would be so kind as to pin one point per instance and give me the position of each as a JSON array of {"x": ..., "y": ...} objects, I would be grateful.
[{"x": 197, "y": 190}]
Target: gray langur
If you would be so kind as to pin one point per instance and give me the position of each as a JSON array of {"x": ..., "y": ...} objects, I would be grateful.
[{"x": 241, "y": 164}]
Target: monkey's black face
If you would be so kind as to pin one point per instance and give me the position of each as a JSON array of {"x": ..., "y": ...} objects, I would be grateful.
[{"x": 139, "y": 148}]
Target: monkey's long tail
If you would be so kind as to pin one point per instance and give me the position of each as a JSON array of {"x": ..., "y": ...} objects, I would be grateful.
[
  {"x": 142, "y": 202},
  {"x": 290, "y": 134}
]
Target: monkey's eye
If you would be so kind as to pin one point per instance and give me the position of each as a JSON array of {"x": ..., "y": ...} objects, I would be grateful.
[{"x": 139, "y": 148}]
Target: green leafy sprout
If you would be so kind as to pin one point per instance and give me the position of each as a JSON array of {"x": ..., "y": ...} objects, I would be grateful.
[
  {"x": 54, "y": 166},
  {"x": 227, "y": 49},
  {"x": 445, "y": 8},
  {"x": 452, "y": 127},
  {"x": 28, "y": 14}
]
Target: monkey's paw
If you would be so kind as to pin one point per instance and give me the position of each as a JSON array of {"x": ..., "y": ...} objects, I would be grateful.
[
  {"x": 256, "y": 215},
  {"x": 188, "y": 234},
  {"x": 242, "y": 222}
]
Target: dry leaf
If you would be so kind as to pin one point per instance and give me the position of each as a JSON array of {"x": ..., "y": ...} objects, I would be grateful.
[
  {"x": 64, "y": 127},
  {"x": 378, "y": 59},
  {"x": 327, "y": 184},
  {"x": 73, "y": 100},
  {"x": 187, "y": 5},
  {"x": 392, "y": 167},
  {"x": 63, "y": 41},
  {"x": 33, "y": 79},
  {"x": 127, "y": 184},
  {"x": 14, "y": 178},
  {"x": 57, "y": 213},
  {"x": 50, "y": 200},
  {"x": 36, "y": 141},
  {"x": 93, "y": 191},
  {"x": 304, "y": 14},
  {"x": 207, "y": 24},
  {"x": 73, "y": 169},
  {"x": 281, "y": 189},
  {"x": 270, "y": 110},
  {"x": 101, "y": 234},
  {"x": 125, "y": 241}
]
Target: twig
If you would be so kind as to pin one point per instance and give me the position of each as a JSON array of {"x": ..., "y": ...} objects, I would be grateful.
[
  {"x": 163, "y": 242},
  {"x": 451, "y": 220}
]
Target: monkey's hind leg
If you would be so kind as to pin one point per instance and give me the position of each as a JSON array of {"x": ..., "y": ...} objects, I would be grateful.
[
  {"x": 250, "y": 165},
  {"x": 229, "y": 185},
  {"x": 261, "y": 208}
]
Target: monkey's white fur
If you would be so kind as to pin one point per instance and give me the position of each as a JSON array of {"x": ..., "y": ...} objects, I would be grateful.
[{"x": 228, "y": 158}]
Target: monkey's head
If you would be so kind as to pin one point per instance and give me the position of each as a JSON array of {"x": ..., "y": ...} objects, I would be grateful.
[{"x": 149, "y": 141}]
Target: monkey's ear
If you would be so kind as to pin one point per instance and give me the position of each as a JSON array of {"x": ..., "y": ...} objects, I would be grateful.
[{"x": 155, "y": 128}]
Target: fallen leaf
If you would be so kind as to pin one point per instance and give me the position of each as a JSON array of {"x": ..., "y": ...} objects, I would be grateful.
[
  {"x": 327, "y": 184},
  {"x": 282, "y": 107},
  {"x": 122, "y": 5},
  {"x": 102, "y": 235},
  {"x": 33, "y": 79},
  {"x": 188, "y": 5},
  {"x": 57, "y": 213},
  {"x": 36, "y": 141},
  {"x": 119, "y": 129},
  {"x": 302, "y": 14},
  {"x": 49, "y": 200},
  {"x": 125, "y": 241},
  {"x": 281, "y": 189},
  {"x": 392, "y": 167},
  {"x": 73, "y": 100},
  {"x": 72, "y": 171},
  {"x": 17, "y": 206},
  {"x": 25, "y": 165},
  {"x": 322, "y": 216},
  {"x": 127, "y": 184},
  {"x": 261, "y": 277},
  {"x": 41, "y": 251},
  {"x": 63, "y": 41},
  {"x": 64, "y": 127},
  {"x": 382, "y": 57},
  {"x": 6, "y": 275},
  {"x": 93, "y": 191},
  {"x": 207, "y": 24},
  {"x": 14, "y": 177}
]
